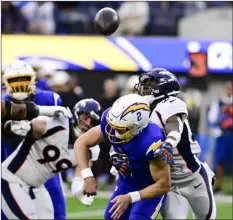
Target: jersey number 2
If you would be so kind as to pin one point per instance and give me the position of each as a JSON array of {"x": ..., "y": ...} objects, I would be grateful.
[
  {"x": 51, "y": 153},
  {"x": 139, "y": 116}
]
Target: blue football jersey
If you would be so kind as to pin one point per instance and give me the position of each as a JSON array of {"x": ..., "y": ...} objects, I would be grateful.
[{"x": 139, "y": 151}]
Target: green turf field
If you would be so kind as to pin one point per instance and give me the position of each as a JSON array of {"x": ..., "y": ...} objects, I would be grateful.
[{"x": 76, "y": 210}]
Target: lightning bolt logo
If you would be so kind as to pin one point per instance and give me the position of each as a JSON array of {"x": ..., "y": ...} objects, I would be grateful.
[
  {"x": 135, "y": 107},
  {"x": 154, "y": 146}
]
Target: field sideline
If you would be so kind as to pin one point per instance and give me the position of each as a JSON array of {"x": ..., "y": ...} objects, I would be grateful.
[{"x": 75, "y": 210}]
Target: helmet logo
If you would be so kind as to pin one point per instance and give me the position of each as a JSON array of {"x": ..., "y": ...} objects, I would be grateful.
[{"x": 135, "y": 107}]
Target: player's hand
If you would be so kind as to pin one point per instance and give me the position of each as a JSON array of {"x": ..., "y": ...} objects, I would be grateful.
[
  {"x": 19, "y": 128},
  {"x": 121, "y": 165},
  {"x": 63, "y": 111},
  {"x": 90, "y": 186},
  {"x": 77, "y": 191},
  {"x": 121, "y": 203},
  {"x": 165, "y": 151}
]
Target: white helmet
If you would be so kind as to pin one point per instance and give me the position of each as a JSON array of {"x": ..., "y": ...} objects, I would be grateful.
[
  {"x": 19, "y": 79},
  {"x": 128, "y": 116}
]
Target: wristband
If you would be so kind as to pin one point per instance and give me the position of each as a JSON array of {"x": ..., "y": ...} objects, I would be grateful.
[
  {"x": 135, "y": 196},
  {"x": 86, "y": 173}
]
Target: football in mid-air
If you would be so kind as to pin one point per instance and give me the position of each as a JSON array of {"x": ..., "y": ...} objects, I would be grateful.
[{"x": 106, "y": 21}]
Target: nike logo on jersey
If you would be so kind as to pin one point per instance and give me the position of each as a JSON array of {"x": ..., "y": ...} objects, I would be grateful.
[
  {"x": 172, "y": 100},
  {"x": 197, "y": 186}
]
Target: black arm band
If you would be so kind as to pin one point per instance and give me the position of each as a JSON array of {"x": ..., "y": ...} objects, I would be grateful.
[
  {"x": 89, "y": 154},
  {"x": 32, "y": 110},
  {"x": 8, "y": 109}
]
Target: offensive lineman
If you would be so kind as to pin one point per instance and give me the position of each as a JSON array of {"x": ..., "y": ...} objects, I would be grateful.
[
  {"x": 191, "y": 179},
  {"x": 126, "y": 125},
  {"x": 46, "y": 151},
  {"x": 19, "y": 79}
]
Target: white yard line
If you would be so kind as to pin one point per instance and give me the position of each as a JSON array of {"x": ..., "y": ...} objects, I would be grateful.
[{"x": 84, "y": 214}]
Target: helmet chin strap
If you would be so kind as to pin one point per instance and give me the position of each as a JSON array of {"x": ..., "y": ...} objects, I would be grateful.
[{"x": 77, "y": 131}]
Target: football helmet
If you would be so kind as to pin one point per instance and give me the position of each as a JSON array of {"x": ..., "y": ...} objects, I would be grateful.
[
  {"x": 128, "y": 116},
  {"x": 87, "y": 114},
  {"x": 19, "y": 79},
  {"x": 159, "y": 83}
]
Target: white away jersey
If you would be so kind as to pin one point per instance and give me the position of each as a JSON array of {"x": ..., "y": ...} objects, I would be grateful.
[
  {"x": 185, "y": 154},
  {"x": 36, "y": 161}
]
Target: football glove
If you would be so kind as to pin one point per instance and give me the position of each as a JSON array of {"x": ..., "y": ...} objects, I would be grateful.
[
  {"x": 121, "y": 165},
  {"x": 165, "y": 151},
  {"x": 77, "y": 192},
  {"x": 19, "y": 128}
]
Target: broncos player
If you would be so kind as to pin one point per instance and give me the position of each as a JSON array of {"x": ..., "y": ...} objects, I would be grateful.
[
  {"x": 46, "y": 151},
  {"x": 19, "y": 79},
  {"x": 191, "y": 179},
  {"x": 126, "y": 125}
]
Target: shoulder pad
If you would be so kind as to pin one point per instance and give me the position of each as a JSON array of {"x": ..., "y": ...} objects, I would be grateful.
[{"x": 171, "y": 106}]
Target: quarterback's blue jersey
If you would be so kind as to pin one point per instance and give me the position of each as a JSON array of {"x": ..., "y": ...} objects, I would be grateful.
[
  {"x": 139, "y": 151},
  {"x": 9, "y": 144}
]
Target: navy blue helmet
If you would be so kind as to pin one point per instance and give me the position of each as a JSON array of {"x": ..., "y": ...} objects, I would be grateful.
[
  {"x": 158, "y": 82},
  {"x": 87, "y": 114}
]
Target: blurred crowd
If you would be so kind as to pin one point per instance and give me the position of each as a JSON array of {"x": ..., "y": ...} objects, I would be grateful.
[
  {"x": 137, "y": 18},
  {"x": 219, "y": 116}
]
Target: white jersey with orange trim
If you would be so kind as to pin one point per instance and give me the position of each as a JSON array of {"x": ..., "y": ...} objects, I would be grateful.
[
  {"x": 185, "y": 155},
  {"x": 36, "y": 161}
]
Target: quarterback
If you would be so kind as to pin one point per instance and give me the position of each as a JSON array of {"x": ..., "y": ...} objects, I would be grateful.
[
  {"x": 126, "y": 125},
  {"x": 191, "y": 180}
]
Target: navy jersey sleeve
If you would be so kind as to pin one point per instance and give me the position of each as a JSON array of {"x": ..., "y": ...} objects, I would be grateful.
[
  {"x": 103, "y": 122},
  {"x": 153, "y": 143}
]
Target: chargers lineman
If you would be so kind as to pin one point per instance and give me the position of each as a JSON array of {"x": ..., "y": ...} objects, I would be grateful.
[
  {"x": 45, "y": 151},
  {"x": 191, "y": 179}
]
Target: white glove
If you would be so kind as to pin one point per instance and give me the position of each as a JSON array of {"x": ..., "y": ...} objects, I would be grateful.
[
  {"x": 77, "y": 191},
  {"x": 114, "y": 171},
  {"x": 54, "y": 111},
  {"x": 20, "y": 128}
]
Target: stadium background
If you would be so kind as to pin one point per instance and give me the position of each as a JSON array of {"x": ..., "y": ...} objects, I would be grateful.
[{"x": 193, "y": 40}]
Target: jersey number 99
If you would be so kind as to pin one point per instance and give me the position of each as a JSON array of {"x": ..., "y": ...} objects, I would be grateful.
[{"x": 51, "y": 153}]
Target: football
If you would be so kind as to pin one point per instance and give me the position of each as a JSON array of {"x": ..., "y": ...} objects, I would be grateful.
[{"x": 106, "y": 21}]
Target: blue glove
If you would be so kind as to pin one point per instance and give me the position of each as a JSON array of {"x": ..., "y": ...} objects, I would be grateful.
[
  {"x": 165, "y": 151},
  {"x": 121, "y": 165}
]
